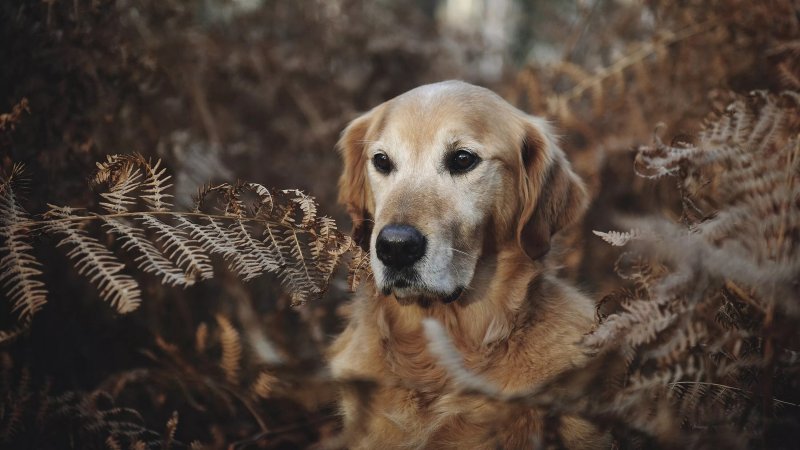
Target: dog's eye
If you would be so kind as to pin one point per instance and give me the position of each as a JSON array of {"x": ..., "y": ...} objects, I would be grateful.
[
  {"x": 382, "y": 163},
  {"x": 462, "y": 161}
]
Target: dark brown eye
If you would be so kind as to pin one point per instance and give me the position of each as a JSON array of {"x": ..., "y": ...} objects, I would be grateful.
[
  {"x": 382, "y": 163},
  {"x": 462, "y": 161}
]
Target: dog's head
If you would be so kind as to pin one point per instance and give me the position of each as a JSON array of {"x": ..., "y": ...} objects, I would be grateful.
[{"x": 439, "y": 176}]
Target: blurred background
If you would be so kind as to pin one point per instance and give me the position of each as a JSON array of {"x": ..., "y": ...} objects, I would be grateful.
[{"x": 259, "y": 90}]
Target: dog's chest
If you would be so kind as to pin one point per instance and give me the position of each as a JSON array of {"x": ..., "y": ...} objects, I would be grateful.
[
  {"x": 425, "y": 389},
  {"x": 407, "y": 418}
]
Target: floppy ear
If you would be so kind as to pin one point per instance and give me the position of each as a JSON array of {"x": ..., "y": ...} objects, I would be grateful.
[
  {"x": 353, "y": 186},
  {"x": 553, "y": 196}
]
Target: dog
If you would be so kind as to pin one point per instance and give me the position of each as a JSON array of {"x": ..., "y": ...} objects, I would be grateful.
[{"x": 457, "y": 195}]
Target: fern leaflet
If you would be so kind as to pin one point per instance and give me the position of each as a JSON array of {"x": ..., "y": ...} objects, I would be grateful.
[
  {"x": 94, "y": 261},
  {"x": 19, "y": 268}
]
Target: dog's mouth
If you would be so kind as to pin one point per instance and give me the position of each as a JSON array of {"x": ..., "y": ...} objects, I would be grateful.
[{"x": 409, "y": 291}]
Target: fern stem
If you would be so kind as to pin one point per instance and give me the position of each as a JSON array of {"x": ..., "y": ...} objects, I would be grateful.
[
  {"x": 134, "y": 214},
  {"x": 300, "y": 249}
]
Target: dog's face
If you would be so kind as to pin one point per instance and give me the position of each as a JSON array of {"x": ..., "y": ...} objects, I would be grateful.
[{"x": 443, "y": 174}]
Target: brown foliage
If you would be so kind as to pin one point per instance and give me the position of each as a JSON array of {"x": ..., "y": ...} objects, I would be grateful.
[{"x": 697, "y": 344}]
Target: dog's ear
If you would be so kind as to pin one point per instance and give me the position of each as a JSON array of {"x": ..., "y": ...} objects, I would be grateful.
[
  {"x": 552, "y": 195},
  {"x": 353, "y": 185}
]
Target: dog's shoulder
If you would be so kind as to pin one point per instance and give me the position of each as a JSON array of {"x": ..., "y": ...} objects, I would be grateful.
[
  {"x": 559, "y": 309},
  {"x": 547, "y": 335},
  {"x": 355, "y": 353}
]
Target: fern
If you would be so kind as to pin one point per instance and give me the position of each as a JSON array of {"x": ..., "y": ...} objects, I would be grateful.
[
  {"x": 231, "y": 349},
  {"x": 201, "y": 338},
  {"x": 156, "y": 185},
  {"x": 19, "y": 268},
  {"x": 14, "y": 404},
  {"x": 298, "y": 274},
  {"x": 94, "y": 260},
  {"x": 617, "y": 238},
  {"x": 93, "y": 417},
  {"x": 264, "y": 385},
  {"x": 149, "y": 258},
  {"x": 9, "y": 121},
  {"x": 169, "y": 433},
  {"x": 216, "y": 241},
  {"x": 749, "y": 156},
  {"x": 276, "y": 232},
  {"x": 180, "y": 248},
  {"x": 123, "y": 179},
  {"x": 678, "y": 331}
]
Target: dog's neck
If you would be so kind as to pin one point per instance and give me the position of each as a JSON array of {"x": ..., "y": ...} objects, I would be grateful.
[{"x": 487, "y": 311}]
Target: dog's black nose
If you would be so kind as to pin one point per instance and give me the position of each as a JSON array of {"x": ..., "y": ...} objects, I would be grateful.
[{"x": 399, "y": 245}]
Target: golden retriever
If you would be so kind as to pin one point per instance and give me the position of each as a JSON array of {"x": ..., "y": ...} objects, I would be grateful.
[{"x": 457, "y": 195}]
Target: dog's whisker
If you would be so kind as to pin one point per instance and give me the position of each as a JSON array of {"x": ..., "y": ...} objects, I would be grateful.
[{"x": 459, "y": 251}]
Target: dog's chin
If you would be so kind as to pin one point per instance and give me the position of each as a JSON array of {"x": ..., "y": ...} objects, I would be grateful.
[{"x": 409, "y": 295}]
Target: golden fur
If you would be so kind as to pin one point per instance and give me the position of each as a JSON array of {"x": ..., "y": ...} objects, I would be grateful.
[{"x": 515, "y": 325}]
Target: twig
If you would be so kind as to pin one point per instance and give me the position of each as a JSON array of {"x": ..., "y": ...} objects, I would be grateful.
[{"x": 633, "y": 58}]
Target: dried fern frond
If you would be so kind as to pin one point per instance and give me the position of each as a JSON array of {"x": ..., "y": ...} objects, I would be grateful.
[
  {"x": 201, "y": 338},
  {"x": 745, "y": 171},
  {"x": 231, "y": 349},
  {"x": 169, "y": 433},
  {"x": 180, "y": 248},
  {"x": 298, "y": 274},
  {"x": 698, "y": 331},
  {"x": 215, "y": 239},
  {"x": 93, "y": 417},
  {"x": 258, "y": 258},
  {"x": 638, "y": 323},
  {"x": 123, "y": 179},
  {"x": 9, "y": 121},
  {"x": 307, "y": 205},
  {"x": 359, "y": 268},
  {"x": 14, "y": 332},
  {"x": 264, "y": 385},
  {"x": 301, "y": 248},
  {"x": 94, "y": 260},
  {"x": 257, "y": 232},
  {"x": 149, "y": 258},
  {"x": 112, "y": 443},
  {"x": 124, "y": 175},
  {"x": 18, "y": 268},
  {"x": 156, "y": 185},
  {"x": 618, "y": 238},
  {"x": 70, "y": 419},
  {"x": 14, "y": 404}
]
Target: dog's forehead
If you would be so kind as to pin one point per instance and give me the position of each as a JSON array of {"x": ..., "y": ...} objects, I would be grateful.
[{"x": 434, "y": 113}]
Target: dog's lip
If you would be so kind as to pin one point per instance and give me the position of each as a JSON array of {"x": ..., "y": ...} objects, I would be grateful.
[
  {"x": 397, "y": 283},
  {"x": 453, "y": 296},
  {"x": 446, "y": 298}
]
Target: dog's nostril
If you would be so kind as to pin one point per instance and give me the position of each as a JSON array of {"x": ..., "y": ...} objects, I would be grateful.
[{"x": 399, "y": 245}]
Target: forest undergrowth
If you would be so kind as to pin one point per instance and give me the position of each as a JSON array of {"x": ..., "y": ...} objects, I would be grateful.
[{"x": 153, "y": 301}]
